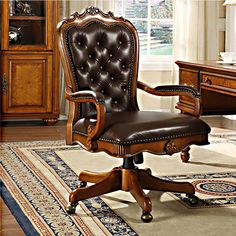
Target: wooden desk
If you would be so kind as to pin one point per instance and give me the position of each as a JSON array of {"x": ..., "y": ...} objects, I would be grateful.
[{"x": 215, "y": 82}]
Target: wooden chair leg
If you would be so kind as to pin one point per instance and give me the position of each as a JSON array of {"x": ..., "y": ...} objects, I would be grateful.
[
  {"x": 130, "y": 182},
  {"x": 147, "y": 181},
  {"x": 111, "y": 183},
  {"x": 185, "y": 155},
  {"x": 93, "y": 177}
]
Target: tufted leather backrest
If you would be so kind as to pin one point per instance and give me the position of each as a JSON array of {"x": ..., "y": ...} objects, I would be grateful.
[{"x": 102, "y": 56}]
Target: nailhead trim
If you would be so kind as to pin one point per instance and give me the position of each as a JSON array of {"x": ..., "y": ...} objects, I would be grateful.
[
  {"x": 145, "y": 140},
  {"x": 180, "y": 89},
  {"x": 97, "y": 101}
]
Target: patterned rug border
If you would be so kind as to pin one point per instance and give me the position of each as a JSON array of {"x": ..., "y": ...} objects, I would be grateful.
[
  {"x": 88, "y": 203},
  {"x": 15, "y": 209},
  {"x": 36, "y": 199}
]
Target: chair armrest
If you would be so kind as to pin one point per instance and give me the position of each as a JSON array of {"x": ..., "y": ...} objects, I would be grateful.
[
  {"x": 176, "y": 90},
  {"x": 86, "y": 96},
  {"x": 99, "y": 100}
]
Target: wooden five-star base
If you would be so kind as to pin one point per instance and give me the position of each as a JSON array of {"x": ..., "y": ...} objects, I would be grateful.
[{"x": 132, "y": 180}]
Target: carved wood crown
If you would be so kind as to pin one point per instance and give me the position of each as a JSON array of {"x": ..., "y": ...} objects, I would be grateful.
[{"x": 92, "y": 11}]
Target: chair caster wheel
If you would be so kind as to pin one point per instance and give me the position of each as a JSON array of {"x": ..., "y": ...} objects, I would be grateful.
[
  {"x": 149, "y": 171},
  {"x": 70, "y": 209},
  {"x": 82, "y": 184},
  {"x": 146, "y": 217},
  {"x": 192, "y": 199}
]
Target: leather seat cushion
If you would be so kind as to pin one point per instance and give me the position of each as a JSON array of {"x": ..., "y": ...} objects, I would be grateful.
[{"x": 126, "y": 128}]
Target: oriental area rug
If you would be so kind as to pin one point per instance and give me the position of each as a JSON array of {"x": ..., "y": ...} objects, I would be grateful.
[{"x": 37, "y": 177}]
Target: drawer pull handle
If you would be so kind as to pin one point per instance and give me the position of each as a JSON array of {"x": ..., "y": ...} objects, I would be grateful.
[{"x": 207, "y": 81}]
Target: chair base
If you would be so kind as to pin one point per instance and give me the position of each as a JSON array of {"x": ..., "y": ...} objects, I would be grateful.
[{"x": 130, "y": 180}]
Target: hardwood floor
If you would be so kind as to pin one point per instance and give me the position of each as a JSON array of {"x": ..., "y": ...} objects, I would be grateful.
[
  {"x": 35, "y": 130},
  {"x": 8, "y": 224},
  {"x": 32, "y": 131}
]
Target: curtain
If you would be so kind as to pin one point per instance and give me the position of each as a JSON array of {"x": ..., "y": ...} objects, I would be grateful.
[
  {"x": 189, "y": 34},
  {"x": 195, "y": 33}
]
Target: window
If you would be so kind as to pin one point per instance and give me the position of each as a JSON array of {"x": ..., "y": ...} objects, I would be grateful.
[{"x": 153, "y": 20}]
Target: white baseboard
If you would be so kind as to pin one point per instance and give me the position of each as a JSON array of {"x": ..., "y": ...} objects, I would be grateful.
[{"x": 230, "y": 117}]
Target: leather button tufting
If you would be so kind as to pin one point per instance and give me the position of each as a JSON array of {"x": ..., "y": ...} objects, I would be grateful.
[
  {"x": 115, "y": 102},
  {"x": 98, "y": 43},
  {"x": 102, "y": 91},
  {"x": 101, "y": 67},
  {"x": 91, "y": 79},
  {"x": 123, "y": 66},
  {"x": 111, "y": 55},
  {"x": 120, "y": 42},
  {"x": 90, "y": 56},
  {"x": 112, "y": 78}
]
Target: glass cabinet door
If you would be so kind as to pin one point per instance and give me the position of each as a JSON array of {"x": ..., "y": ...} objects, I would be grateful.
[{"x": 28, "y": 22}]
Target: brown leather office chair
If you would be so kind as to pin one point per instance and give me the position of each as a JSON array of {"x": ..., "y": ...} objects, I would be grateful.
[{"x": 100, "y": 55}]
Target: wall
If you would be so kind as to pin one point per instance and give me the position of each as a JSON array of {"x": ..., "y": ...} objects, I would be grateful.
[{"x": 154, "y": 78}]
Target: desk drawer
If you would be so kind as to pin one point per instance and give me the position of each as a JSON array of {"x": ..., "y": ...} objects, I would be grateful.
[{"x": 218, "y": 80}]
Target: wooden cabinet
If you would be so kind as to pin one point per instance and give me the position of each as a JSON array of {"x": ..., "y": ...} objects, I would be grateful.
[
  {"x": 29, "y": 61},
  {"x": 215, "y": 82}
]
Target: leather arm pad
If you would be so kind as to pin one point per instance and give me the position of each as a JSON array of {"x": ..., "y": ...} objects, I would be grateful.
[
  {"x": 178, "y": 88},
  {"x": 170, "y": 90}
]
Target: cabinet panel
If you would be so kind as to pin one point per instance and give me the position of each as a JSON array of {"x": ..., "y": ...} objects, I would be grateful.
[{"x": 28, "y": 83}]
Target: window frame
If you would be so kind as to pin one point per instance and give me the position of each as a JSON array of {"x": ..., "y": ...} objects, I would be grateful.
[{"x": 150, "y": 62}]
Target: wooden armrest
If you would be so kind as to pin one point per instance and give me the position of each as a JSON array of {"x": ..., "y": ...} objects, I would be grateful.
[
  {"x": 99, "y": 101},
  {"x": 86, "y": 96},
  {"x": 175, "y": 90}
]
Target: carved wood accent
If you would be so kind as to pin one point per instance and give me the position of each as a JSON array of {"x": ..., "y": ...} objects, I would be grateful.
[{"x": 170, "y": 147}]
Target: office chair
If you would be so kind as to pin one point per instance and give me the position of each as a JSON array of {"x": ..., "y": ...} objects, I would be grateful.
[{"x": 99, "y": 54}]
